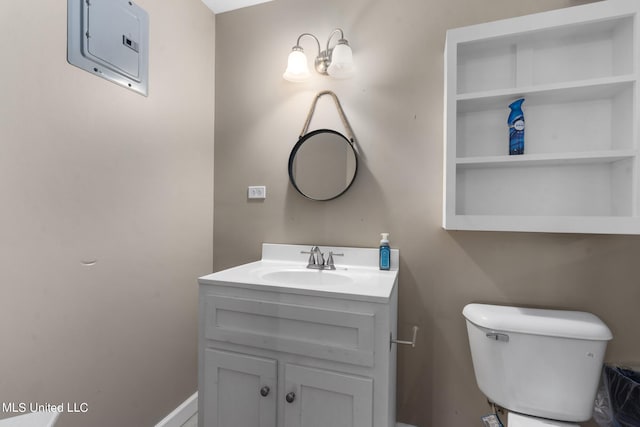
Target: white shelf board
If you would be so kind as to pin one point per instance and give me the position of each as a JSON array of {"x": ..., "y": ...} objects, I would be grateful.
[
  {"x": 588, "y": 18},
  {"x": 606, "y": 87},
  {"x": 548, "y": 224},
  {"x": 545, "y": 159}
]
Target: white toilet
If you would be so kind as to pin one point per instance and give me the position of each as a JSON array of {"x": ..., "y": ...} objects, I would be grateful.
[{"x": 542, "y": 365}]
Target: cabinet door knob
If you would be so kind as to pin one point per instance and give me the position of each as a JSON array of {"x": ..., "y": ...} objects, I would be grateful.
[
  {"x": 264, "y": 391},
  {"x": 290, "y": 397}
]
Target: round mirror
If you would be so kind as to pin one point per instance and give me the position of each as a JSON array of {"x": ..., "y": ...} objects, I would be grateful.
[{"x": 322, "y": 165}]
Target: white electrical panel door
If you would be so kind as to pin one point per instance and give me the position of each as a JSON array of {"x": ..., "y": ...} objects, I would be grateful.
[
  {"x": 109, "y": 38},
  {"x": 114, "y": 36}
]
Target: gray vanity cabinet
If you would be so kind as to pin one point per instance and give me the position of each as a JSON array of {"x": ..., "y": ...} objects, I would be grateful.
[
  {"x": 276, "y": 359},
  {"x": 242, "y": 390}
]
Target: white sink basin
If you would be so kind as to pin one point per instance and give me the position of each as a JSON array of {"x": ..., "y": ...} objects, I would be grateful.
[
  {"x": 356, "y": 276},
  {"x": 307, "y": 277}
]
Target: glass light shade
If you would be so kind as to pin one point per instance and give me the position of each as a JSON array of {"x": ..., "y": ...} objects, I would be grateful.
[
  {"x": 341, "y": 62},
  {"x": 297, "y": 68}
]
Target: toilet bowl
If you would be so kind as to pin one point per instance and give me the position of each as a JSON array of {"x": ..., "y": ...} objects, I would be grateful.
[
  {"x": 543, "y": 366},
  {"x": 519, "y": 420}
]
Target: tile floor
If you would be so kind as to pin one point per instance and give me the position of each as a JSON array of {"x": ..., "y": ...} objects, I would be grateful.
[{"x": 193, "y": 422}]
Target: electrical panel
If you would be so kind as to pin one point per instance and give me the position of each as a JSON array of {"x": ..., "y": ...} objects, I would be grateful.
[{"x": 110, "y": 38}]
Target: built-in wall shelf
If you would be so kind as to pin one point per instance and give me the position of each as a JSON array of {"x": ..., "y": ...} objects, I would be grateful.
[
  {"x": 545, "y": 159},
  {"x": 583, "y": 90},
  {"x": 577, "y": 69}
]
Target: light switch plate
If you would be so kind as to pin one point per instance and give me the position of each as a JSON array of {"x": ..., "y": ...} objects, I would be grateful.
[{"x": 110, "y": 38}]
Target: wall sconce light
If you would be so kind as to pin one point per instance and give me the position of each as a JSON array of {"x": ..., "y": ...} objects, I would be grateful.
[{"x": 336, "y": 62}]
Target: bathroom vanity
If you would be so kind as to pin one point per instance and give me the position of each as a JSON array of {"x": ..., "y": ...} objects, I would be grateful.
[{"x": 284, "y": 345}]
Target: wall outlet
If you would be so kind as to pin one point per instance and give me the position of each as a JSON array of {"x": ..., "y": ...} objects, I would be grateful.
[{"x": 257, "y": 192}]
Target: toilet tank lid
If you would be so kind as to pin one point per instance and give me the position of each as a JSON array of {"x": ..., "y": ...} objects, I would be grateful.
[{"x": 535, "y": 321}]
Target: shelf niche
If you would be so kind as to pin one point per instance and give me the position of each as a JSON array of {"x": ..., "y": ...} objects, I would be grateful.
[{"x": 577, "y": 69}]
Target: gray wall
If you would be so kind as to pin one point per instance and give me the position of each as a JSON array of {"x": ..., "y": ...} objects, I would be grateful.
[
  {"x": 395, "y": 107},
  {"x": 89, "y": 170}
]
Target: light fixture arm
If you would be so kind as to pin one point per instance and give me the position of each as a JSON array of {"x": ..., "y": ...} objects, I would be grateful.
[
  {"x": 298, "y": 47},
  {"x": 336, "y": 61},
  {"x": 342, "y": 39},
  {"x": 321, "y": 61}
]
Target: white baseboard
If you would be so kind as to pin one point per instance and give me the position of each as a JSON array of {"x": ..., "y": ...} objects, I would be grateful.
[
  {"x": 36, "y": 419},
  {"x": 189, "y": 408},
  {"x": 182, "y": 413}
]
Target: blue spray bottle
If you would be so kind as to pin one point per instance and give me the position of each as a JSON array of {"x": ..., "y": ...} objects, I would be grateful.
[{"x": 516, "y": 127}]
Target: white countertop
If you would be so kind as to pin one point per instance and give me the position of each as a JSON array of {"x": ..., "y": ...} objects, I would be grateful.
[{"x": 356, "y": 276}]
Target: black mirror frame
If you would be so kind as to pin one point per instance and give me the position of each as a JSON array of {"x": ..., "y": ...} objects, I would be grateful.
[{"x": 295, "y": 149}]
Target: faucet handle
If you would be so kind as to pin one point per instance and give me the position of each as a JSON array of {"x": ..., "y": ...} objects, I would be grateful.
[
  {"x": 312, "y": 256},
  {"x": 329, "y": 262}
]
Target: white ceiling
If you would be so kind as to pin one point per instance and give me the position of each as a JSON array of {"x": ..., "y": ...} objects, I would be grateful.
[{"x": 219, "y": 6}]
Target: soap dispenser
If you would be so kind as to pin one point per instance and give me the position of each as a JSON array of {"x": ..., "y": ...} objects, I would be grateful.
[{"x": 385, "y": 252}]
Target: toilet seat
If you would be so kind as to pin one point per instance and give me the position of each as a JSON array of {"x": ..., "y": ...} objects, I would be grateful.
[{"x": 519, "y": 420}]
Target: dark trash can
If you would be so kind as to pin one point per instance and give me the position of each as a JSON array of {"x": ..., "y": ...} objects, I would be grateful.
[{"x": 618, "y": 400}]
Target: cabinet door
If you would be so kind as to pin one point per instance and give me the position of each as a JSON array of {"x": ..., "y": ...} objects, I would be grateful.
[
  {"x": 321, "y": 398},
  {"x": 240, "y": 390}
]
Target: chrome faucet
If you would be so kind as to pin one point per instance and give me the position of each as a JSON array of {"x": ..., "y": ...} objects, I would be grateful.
[{"x": 317, "y": 261}]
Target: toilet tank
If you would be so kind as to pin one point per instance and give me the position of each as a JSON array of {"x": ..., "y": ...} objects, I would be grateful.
[{"x": 545, "y": 363}]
